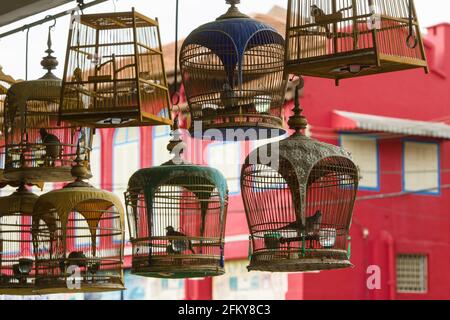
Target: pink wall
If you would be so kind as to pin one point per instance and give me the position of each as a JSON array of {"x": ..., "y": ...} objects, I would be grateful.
[{"x": 407, "y": 224}]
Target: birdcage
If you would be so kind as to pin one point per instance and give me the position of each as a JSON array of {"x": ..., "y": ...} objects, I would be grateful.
[
  {"x": 17, "y": 263},
  {"x": 114, "y": 74},
  {"x": 37, "y": 147},
  {"x": 232, "y": 71},
  {"x": 298, "y": 196},
  {"x": 78, "y": 238},
  {"x": 350, "y": 38},
  {"x": 176, "y": 215}
]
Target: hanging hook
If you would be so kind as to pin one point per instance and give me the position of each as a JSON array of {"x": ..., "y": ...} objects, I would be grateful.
[{"x": 54, "y": 22}]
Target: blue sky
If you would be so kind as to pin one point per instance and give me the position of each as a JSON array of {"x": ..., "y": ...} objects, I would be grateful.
[{"x": 192, "y": 14}]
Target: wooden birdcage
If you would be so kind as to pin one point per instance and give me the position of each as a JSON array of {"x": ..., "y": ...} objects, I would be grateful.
[
  {"x": 78, "y": 238},
  {"x": 232, "y": 71},
  {"x": 17, "y": 263},
  {"x": 299, "y": 205},
  {"x": 37, "y": 147},
  {"x": 114, "y": 74},
  {"x": 176, "y": 215},
  {"x": 351, "y": 38}
]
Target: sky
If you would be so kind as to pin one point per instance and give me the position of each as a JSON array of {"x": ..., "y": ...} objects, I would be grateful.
[{"x": 192, "y": 14}]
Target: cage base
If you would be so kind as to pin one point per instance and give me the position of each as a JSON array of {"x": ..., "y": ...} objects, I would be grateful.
[
  {"x": 40, "y": 174},
  {"x": 114, "y": 119},
  {"x": 60, "y": 287},
  {"x": 178, "y": 273},
  {"x": 312, "y": 260},
  {"x": 19, "y": 290},
  {"x": 329, "y": 66}
]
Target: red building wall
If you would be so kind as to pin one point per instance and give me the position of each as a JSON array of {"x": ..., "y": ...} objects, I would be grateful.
[{"x": 401, "y": 224}]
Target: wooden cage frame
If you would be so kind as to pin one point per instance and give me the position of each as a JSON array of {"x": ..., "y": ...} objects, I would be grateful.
[
  {"x": 78, "y": 236},
  {"x": 340, "y": 39},
  {"x": 130, "y": 88},
  {"x": 17, "y": 268},
  {"x": 35, "y": 156}
]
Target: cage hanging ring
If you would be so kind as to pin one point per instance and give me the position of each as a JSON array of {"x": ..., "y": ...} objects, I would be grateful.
[{"x": 412, "y": 45}]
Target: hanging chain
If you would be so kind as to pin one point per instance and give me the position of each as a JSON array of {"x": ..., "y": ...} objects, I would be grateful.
[
  {"x": 176, "y": 94},
  {"x": 412, "y": 39}
]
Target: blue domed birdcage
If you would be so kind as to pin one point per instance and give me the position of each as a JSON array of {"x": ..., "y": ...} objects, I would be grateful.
[{"x": 232, "y": 71}]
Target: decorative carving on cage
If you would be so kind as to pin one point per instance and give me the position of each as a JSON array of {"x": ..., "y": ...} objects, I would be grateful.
[
  {"x": 299, "y": 208},
  {"x": 78, "y": 238},
  {"x": 17, "y": 263},
  {"x": 176, "y": 215},
  {"x": 114, "y": 74},
  {"x": 232, "y": 71},
  {"x": 37, "y": 148},
  {"x": 341, "y": 39}
]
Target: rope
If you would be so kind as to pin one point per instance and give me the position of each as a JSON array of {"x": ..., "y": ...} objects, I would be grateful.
[
  {"x": 26, "y": 55},
  {"x": 411, "y": 36},
  {"x": 176, "y": 94}
]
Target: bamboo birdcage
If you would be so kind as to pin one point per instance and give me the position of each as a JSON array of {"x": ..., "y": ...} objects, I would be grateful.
[
  {"x": 78, "y": 238},
  {"x": 17, "y": 263},
  {"x": 299, "y": 206},
  {"x": 37, "y": 147},
  {"x": 232, "y": 71},
  {"x": 176, "y": 215},
  {"x": 341, "y": 39},
  {"x": 114, "y": 74}
]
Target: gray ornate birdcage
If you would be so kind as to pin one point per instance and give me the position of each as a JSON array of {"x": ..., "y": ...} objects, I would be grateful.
[
  {"x": 232, "y": 71},
  {"x": 350, "y": 38},
  {"x": 299, "y": 205},
  {"x": 176, "y": 215},
  {"x": 37, "y": 148},
  {"x": 114, "y": 74},
  {"x": 17, "y": 263},
  {"x": 78, "y": 239}
]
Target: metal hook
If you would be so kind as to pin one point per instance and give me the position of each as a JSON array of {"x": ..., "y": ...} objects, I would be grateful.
[{"x": 54, "y": 22}]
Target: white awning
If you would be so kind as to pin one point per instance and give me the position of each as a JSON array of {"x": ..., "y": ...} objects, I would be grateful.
[
  {"x": 350, "y": 121},
  {"x": 14, "y": 10}
]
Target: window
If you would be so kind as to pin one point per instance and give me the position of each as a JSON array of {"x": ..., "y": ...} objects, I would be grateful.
[
  {"x": 421, "y": 167},
  {"x": 225, "y": 157},
  {"x": 412, "y": 273},
  {"x": 126, "y": 161},
  {"x": 364, "y": 151},
  {"x": 161, "y": 138},
  {"x": 96, "y": 160}
]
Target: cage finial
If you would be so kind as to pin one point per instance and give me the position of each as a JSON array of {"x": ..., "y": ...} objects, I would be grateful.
[
  {"x": 49, "y": 62},
  {"x": 297, "y": 121},
  {"x": 79, "y": 171},
  {"x": 176, "y": 145},
  {"x": 233, "y": 11}
]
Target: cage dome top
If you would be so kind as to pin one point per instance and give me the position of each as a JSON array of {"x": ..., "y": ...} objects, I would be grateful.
[
  {"x": 153, "y": 177},
  {"x": 233, "y": 30}
]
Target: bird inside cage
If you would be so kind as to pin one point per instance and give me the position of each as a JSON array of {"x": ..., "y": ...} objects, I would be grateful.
[
  {"x": 178, "y": 246},
  {"x": 309, "y": 231},
  {"x": 52, "y": 147}
]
